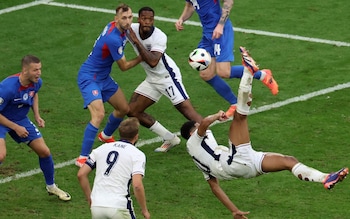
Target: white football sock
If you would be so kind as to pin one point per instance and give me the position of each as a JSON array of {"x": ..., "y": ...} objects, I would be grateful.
[
  {"x": 161, "y": 131},
  {"x": 244, "y": 92},
  {"x": 306, "y": 173}
]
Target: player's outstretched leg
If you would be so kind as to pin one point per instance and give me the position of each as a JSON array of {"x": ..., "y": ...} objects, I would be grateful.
[
  {"x": 248, "y": 61},
  {"x": 334, "y": 178}
]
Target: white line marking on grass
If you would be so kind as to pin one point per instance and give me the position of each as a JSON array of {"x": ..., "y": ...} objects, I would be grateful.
[
  {"x": 19, "y": 7},
  {"x": 194, "y": 23},
  {"x": 158, "y": 139}
]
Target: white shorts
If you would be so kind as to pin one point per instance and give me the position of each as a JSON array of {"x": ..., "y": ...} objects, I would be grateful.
[
  {"x": 168, "y": 86},
  {"x": 246, "y": 163},
  {"x": 111, "y": 213}
]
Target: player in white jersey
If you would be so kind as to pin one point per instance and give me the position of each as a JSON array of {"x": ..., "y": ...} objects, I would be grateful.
[
  {"x": 163, "y": 78},
  {"x": 117, "y": 164},
  {"x": 240, "y": 160}
]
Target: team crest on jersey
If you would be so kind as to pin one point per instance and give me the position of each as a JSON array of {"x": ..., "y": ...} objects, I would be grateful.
[
  {"x": 1, "y": 100},
  {"x": 31, "y": 93},
  {"x": 120, "y": 50},
  {"x": 25, "y": 96},
  {"x": 95, "y": 92}
]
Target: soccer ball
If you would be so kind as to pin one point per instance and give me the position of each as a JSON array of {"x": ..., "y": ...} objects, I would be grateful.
[{"x": 199, "y": 59}]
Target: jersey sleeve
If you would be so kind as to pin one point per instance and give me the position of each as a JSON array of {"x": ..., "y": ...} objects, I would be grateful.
[
  {"x": 5, "y": 96},
  {"x": 139, "y": 163},
  {"x": 160, "y": 42}
]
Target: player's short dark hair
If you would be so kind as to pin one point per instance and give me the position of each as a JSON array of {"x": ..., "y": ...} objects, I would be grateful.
[
  {"x": 186, "y": 129},
  {"x": 122, "y": 8},
  {"x": 146, "y": 8},
  {"x": 129, "y": 128},
  {"x": 28, "y": 59}
]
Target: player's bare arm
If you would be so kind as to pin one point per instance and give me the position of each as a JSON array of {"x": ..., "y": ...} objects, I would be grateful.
[
  {"x": 151, "y": 58},
  {"x": 126, "y": 65},
  {"x": 139, "y": 192},
  {"x": 186, "y": 14},
  {"x": 20, "y": 130},
  {"x": 226, "y": 9},
  {"x": 224, "y": 199},
  {"x": 207, "y": 121},
  {"x": 35, "y": 108}
]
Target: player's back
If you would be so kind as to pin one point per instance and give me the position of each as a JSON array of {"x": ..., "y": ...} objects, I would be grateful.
[{"x": 115, "y": 164}]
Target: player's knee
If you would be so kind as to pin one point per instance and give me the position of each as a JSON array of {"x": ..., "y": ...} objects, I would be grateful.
[
  {"x": 223, "y": 72},
  {"x": 291, "y": 161},
  {"x": 2, "y": 156}
]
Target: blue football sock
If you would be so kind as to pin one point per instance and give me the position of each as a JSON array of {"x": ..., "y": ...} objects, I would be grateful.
[
  {"x": 223, "y": 89},
  {"x": 47, "y": 166},
  {"x": 237, "y": 72},
  {"x": 89, "y": 139},
  {"x": 112, "y": 125}
]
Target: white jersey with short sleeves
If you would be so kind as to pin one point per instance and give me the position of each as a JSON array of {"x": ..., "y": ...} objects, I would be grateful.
[
  {"x": 157, "y": 41},
  {"x": 223, "y": 162},
  {"x": 115, "y": 163}
]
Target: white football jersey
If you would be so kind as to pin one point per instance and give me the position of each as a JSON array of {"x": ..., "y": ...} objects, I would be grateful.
[
  {"x": 157, "y": 42},
  {"x": 115, "y": 164},
  {"x": 208, "y": 155}
]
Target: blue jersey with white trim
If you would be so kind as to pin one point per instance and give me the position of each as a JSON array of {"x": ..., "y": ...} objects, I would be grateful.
[
  {"x": 108, "y": 48},
  {"x": 15, "y": 99},
  {"x": 209, "y": 12}
]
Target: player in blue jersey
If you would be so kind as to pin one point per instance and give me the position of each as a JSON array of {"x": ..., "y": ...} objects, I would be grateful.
[
  {"x": 218, "y": 40},
  {"x": 97, "y": 86},
  {"x": 19, "y": 94},
  {"x": 240, "y": 160},
  {"x": 163, "y": 79}
]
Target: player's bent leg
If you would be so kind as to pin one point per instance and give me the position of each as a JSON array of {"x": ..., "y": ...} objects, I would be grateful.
[
  {"x": 223, "y": 69},
  {"x": 39, "y": 147},
  {"x": 119, "y": 103},
  {"x": 97, "y": 112}
]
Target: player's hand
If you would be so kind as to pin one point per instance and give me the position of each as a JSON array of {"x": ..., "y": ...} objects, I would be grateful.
[
  {"x": 40, "y": 122},
  {"x": 21, "y": 131},
  {"x": 146, "y": 214},
  {"x": 218, "y": 31},
  {"x": 222, "y": 116},
  {"x": 131, "y": 36},
  {"x": 179, "y": 25},
  {"x": 240, "y": 214}
]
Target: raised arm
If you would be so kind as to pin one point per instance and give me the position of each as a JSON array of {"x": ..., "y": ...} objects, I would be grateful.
[{"x": 207, "y": 121}]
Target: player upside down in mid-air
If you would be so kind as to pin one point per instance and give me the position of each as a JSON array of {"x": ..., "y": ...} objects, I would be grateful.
[{"x": 240, "y": 160}]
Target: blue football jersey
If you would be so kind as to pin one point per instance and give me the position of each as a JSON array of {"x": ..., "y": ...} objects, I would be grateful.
[
  {"x": 108, "y": 48},
  {"x": 15, "y": 99},
  {"x": 209, "y": 12}
]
